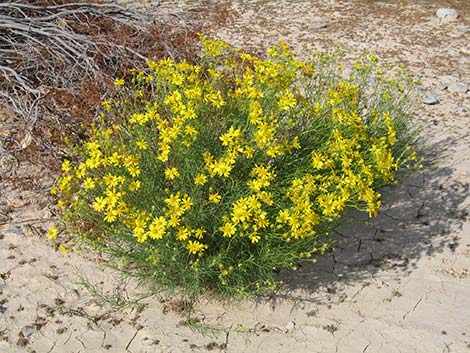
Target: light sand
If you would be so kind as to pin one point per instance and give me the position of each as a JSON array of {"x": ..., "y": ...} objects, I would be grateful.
[{"x": 399, "y": 284}]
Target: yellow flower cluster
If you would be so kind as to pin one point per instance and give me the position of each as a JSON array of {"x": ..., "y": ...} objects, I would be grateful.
[
  {"x": 247, "y": 215},
  {"x": 230, "y": 153}
]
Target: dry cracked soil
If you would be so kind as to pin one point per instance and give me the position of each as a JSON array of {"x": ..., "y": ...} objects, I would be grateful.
[{"x": 397, "y": 283}]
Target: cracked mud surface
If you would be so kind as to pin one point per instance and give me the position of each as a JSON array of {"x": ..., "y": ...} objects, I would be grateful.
[{"x": 400, "y": 283}]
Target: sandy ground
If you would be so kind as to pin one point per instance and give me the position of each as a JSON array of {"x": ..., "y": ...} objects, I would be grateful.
[{"x": 400, "y": 283}]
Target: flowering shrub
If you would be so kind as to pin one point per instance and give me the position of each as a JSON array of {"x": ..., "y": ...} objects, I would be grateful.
[{"x": 210, "y": 176}]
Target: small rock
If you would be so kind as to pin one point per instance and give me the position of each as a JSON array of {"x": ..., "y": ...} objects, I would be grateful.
[
  {"x": 442, "y": 86},
  {"x": 30, "y": 329},
  {"x": 290, "y": 326},
  {"x": 71, "y": 293},
  {"x": 14, "y": 231},
  {"x": 317, "y": 25},
  {"x": 93, "y": 308},
  {"x": 428, "y": 98},
  {"x": 2, "y": 283},
  {"x": 447, "y": 12},
  {"x": 457, "y": 87}
]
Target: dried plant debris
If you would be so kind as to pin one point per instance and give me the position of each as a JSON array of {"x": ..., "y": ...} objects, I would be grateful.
[{"x": 58, "y": 60}]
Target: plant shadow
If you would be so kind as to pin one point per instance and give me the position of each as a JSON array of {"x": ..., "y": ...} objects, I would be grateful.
[{"x": 420, "y": 216}]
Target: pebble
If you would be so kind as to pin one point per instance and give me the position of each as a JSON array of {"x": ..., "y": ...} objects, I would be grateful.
[
  {"x": 71, "y": 293},
  {"x": 93, "y": 308},
  {"x": 2, "y": 283},
  {"x": 30, "y": 329},
  {"x": 457, "y": 87},
  {"x": 290, "y": 326},
  {"x": 14, "y": 231},
  {"x": 429, "y": 99},
  {"x": 447, "y": 12},
  {"x": 442, "y": 86},
  {"x": 317, "y": 25}
]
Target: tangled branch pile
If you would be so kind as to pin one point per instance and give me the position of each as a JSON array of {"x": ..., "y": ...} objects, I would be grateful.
[{"x": 60, "y": 58}]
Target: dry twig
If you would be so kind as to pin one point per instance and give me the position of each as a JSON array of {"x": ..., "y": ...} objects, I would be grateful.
[
  {"x": 58, "y": 59},
  {"x": 44, "y": 48}
]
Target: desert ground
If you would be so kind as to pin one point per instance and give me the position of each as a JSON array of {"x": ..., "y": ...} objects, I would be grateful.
[{"x": 399, "y": 282}]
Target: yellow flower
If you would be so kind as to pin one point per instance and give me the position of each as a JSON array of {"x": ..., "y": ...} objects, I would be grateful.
[
  {"x": 135, "y": 185},
  {"x": 228, "y": 229},
  {"x": 66, "y": 167},
  {"x": 196, "y": 248},
  {"x": 214, "y": 73},
  {"x": 273, "y": 51},
  {"x": 283, "y": 217},
  {"x": 106, "y": 105},
  {"x": 142, "y": 145},
  {"x": 266, "y": 197},
  {"x": 249, "y": 151},
  {"x": 200, "y": 179},
  {"x": 114, "y": 159},
  {"x": 286, "y": 101},
  {"x": 164, "y": 152},
  {"x": 199, "y": 233},
  {"x": 215, "y": 99},
  {"x": 193, "y": 93},
  {"x": 225, "y": 138},
  {"x": 139, "y": 233},
  {"x": 133, "y": 170},
  {"x": 88, "y": 184},
  {"x": 65, "y": 183},
  {"x": 64, "y": 249},
  {"x": 240, "y": 212},
  {"x": 186, "y": 203},
  {"x": 52, "y": 233},
  {"x": 177, "y": 79},
  {"x": 317, "y": 162},
  {"x": 112, "y": 197},
  {"x": 139, "y": 118},
  {"x": 174, "y": 221},
  {"x": 119, "y": 82},
  {"x": 173, "y": 201},
  {"x": 157, "y": 228},
  {"x": 254, "y": 238},
  {"x": 183, "y": 233},
  {"x": 222, "y": 168},
  {"x": 110, "y": 215},
  {"x": 189, "y": 130},
  {"x": 230, "y": 136},
  {"x": 295, "y": 143},
  {"x": 261, "y": 222},
  {"x": 111, "y": 180},
  {"x": 171, "y": 173},
  {"x": 215, "y": 198},
  {"x": 99, "y": 204}
]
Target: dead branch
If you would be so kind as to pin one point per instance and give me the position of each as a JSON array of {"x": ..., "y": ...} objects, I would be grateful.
[
  {"x": 41, "y": 50},
  {"x": 59, "y": 58}
]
